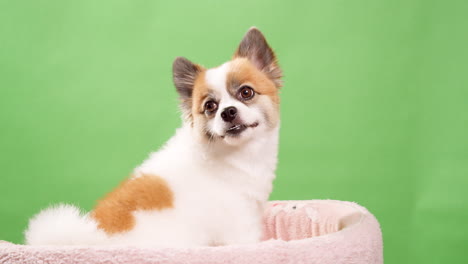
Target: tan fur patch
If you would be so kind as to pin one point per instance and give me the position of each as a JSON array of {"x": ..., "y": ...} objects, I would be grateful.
[
  {"x": 244, "y": 72},
  {"x": 148, "y": 192},
  {"x": 200, "y": 90}
]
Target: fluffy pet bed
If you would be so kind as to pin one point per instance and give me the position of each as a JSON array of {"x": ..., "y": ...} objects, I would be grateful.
[{"x": 316, "y": 231}]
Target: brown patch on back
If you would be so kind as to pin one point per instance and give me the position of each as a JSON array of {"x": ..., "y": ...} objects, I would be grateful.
[
  {"x": 244, "y": 72},
  {"x": 148, "y": 192}
]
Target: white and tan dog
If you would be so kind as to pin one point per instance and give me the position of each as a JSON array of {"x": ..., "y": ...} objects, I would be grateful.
[{"x": 209, "y": 183}]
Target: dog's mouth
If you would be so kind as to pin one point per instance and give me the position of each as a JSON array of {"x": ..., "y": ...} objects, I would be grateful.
[{"x": 237, "y": 129}]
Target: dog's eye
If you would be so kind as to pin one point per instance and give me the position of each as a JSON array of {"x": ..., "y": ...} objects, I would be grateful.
[
  {"x": 246, "y": 92},
  {"x": 211, "y": 106}
]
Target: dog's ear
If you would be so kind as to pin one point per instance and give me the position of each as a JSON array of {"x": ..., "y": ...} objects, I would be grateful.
[
  {"x": 255, "y": 48},
  {"x": 184, "y": 73}
]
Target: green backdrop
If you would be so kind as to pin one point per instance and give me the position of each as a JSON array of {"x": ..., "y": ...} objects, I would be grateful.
[{"x": 374, "y": 107}]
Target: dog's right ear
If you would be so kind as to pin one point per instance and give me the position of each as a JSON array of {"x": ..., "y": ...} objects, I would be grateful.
[{"x": 184, "y": 74}]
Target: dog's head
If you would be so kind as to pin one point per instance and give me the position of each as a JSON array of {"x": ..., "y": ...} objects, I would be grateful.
[{"x": 236, "y": 101}]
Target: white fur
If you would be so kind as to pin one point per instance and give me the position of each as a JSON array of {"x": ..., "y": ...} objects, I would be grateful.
[
  {"x": 62, "y": 225},
  {"x": 219, "y": 188}
]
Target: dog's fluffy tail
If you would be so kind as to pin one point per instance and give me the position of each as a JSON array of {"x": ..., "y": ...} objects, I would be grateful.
[{"x": 63, "y": 225}]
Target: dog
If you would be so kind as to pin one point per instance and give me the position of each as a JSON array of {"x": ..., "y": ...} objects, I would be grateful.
[{"x": 208, "y": 185}]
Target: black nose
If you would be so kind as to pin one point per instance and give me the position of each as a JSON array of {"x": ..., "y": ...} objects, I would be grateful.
[{"x": 229, "y": 113}]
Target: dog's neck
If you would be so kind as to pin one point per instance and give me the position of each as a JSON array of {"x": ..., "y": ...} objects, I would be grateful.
[
  {"x": 258, "y": 151},
  {"x": 253, "y": 162}
]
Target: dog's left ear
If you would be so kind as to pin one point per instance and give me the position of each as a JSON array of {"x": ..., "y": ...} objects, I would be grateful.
[{"x": 255, "y": 48}]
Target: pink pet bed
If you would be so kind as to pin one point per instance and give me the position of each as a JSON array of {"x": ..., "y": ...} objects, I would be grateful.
[{"x": 316, "y": 231}]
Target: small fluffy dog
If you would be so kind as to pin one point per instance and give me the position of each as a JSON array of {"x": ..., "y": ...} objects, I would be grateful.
[{"x": 208, "y": 185}]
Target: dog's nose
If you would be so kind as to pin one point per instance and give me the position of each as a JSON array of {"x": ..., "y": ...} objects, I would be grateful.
[{"x": 229, "y": 113}]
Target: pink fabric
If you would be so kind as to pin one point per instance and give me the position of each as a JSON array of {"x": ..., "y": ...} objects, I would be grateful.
[{"x": 316, "y": 231}]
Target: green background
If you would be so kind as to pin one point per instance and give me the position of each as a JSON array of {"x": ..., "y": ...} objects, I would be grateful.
[{"x": 374, "y": 107}]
